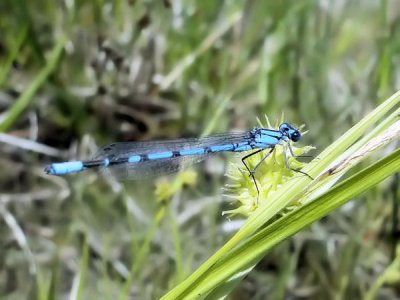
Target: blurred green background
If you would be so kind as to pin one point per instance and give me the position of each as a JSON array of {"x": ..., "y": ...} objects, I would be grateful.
[{"x": 75, "y": 75}]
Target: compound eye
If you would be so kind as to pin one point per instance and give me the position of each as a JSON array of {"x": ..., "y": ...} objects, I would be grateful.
[
  {"x": 295, "y": 136},
  {"x": 284, "y": 128}
]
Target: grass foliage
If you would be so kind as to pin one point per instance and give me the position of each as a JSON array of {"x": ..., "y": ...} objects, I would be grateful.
[{"x": 75, "y": 75}]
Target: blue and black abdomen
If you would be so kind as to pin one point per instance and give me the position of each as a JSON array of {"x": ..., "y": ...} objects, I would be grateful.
[{"x": 146, "y": 159}]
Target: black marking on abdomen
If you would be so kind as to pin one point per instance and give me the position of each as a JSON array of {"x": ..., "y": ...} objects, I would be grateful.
[
  {"x": 144, "y": 157},
  {"x": 176, "y": 154},
  {"x": 93, "y": 163},
  {"x": 118, "y": 161},
  {"x": 207, "y": 150}
]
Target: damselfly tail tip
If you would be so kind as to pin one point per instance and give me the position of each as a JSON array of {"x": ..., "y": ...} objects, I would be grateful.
[{"x": 65, "y": 168}]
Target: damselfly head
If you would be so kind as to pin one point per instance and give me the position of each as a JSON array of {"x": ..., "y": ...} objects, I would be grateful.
[{"x": 288, "y": 130}]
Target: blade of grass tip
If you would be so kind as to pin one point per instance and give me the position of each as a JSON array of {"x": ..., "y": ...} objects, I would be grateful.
[
  {"x": 27, "y": 96},
  {"x": 288, "y": 194},
  {"x": 252, "y": 250}
]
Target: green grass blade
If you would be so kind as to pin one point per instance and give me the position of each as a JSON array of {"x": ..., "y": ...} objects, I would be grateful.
[
  {"x": 25, "y": 99},
  {"x": 6, "y": 65},
  {"x": 80, "y": 279},
  {"x": 251, "y": 251},
  {"x": 288, "y": 193},
  {"x": 144, "y": 250}
]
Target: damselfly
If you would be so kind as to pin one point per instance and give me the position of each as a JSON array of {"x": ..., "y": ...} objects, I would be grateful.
[{"x": 138, "y": 160}]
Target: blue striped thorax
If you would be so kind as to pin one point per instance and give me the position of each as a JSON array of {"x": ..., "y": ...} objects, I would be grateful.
[{"x": 267, "y": 138}]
